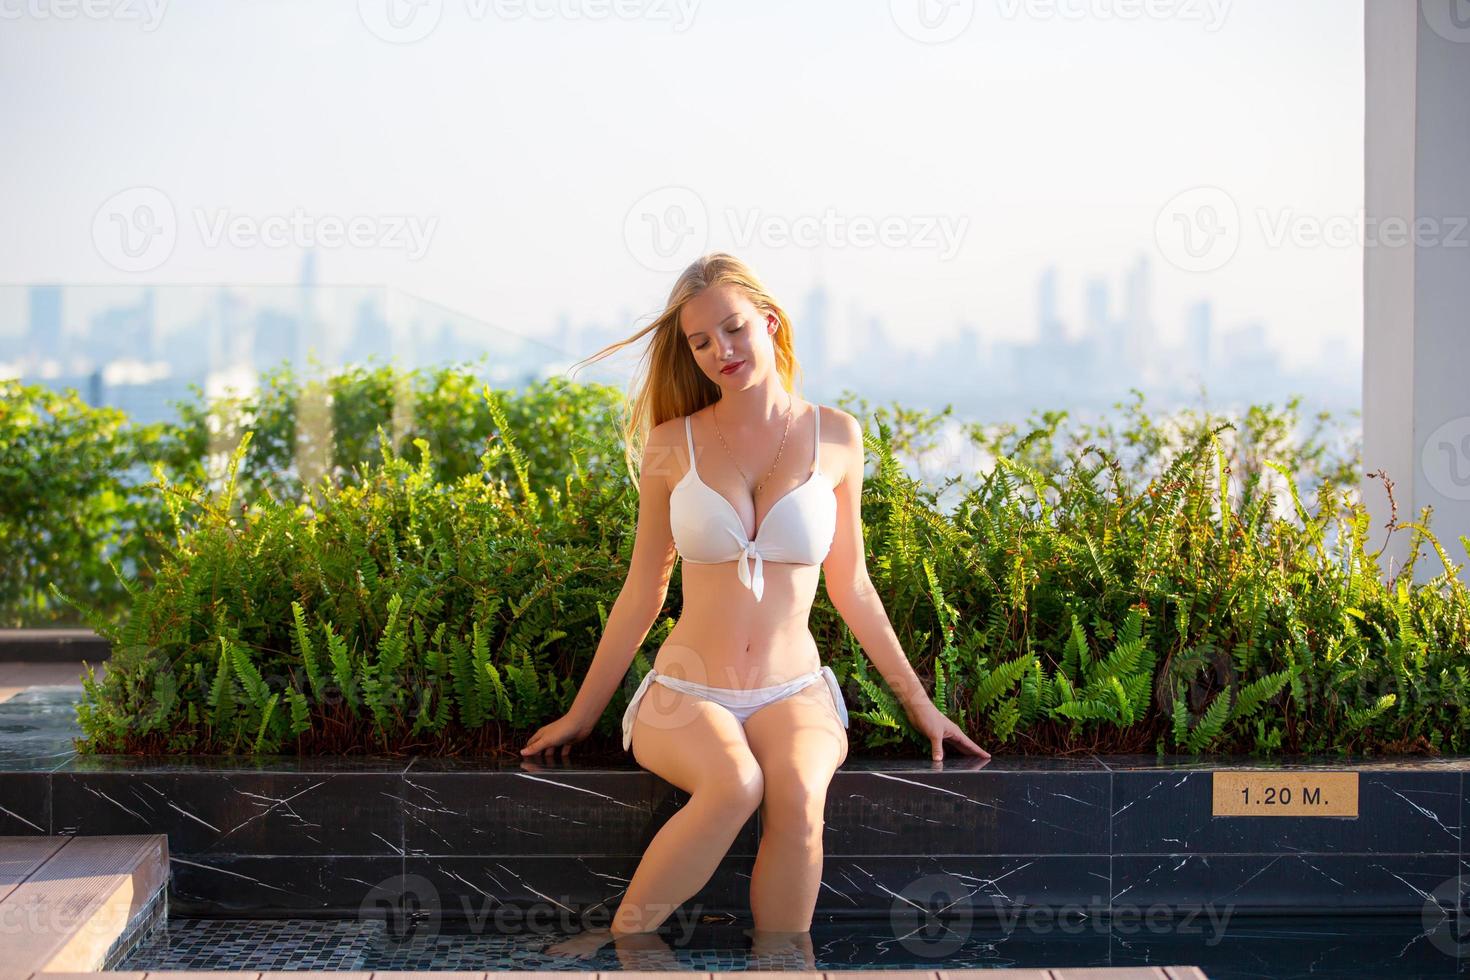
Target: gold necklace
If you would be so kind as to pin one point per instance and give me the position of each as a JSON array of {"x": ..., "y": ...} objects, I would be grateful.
[{"x": 756, "y": 492}]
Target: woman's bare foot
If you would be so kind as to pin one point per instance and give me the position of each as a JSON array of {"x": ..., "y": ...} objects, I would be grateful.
[
  {"x": 782, "y": 946},
  {"x": 583, "y": 945},
  {"x": 645, "y": 951}
]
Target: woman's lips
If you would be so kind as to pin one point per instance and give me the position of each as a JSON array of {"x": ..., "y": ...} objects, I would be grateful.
[{"x": 732, "y": 368}]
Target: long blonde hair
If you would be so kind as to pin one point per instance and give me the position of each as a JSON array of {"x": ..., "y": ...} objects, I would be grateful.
[{"x": 670, "y": 384}]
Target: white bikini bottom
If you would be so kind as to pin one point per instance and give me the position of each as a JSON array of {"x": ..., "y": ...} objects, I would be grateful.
[{"x": 742, "y": 702}]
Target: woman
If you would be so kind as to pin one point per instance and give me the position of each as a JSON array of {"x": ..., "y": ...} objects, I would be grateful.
[{"x": 756, "y": 489}]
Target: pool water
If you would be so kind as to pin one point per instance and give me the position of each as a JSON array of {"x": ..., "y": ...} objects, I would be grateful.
[{"x": 1349, "y": 947}]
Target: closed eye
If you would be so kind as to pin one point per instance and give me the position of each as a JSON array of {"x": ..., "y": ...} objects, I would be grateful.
[{"x": 732, "y": 330}]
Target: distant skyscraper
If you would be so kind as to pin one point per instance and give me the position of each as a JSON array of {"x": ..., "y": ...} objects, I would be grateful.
[
  {"x": 1049, "y": 325},
  {"x": 311, "y": 333},
  {"x": 43, "y": 333},
  {"x": 1198, "y": 340},
  {"x": 811, "y": 336},
  {"x": 1099, "y": 313},
  {"x": 123, "y": 332},
  {"x": 369, "y": 334},
  {"x": 1138, "y": 310}
]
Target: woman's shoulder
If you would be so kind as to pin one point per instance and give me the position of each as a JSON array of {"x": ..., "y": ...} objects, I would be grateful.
[{"x": 844, "y": 428}]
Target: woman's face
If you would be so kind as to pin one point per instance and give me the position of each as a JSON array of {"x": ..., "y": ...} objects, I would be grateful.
[{"x": 729, "y": 338}]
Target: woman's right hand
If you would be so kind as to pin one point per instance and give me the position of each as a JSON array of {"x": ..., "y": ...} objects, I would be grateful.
[{"x": 564, "y": 731}]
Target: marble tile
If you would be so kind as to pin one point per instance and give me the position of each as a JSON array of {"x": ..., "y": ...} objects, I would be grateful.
[
  {"x": 25, "y": 804},
  {"x": 1401, "y": 883},
  {"x": 519, "y": 812},
  {"x": 343, "y": 887},
  {"x": 1288, "y": 946},
  {"x": 976, "y": 884},
  {"x": 990, "y": 812},
  {"x": 1398, "y": 812},
  {"x": 1412, "y": 763},
  {"x": 201, "y": 764},
  {"x": 236, "y": 813},
  {"x": 558, "y": 887},
  {"x": 954, "y": 761}
]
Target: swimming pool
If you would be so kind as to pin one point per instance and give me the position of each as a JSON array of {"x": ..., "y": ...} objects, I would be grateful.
[{"x": 1348, "y": 947}]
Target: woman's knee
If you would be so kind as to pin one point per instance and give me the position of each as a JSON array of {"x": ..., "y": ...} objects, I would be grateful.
[
  {"x": 734, "y": 782},
  {"x": 795, "y": 806}
]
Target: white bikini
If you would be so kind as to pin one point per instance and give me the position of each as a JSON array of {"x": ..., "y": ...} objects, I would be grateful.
[{"x": 707, "y": 530}]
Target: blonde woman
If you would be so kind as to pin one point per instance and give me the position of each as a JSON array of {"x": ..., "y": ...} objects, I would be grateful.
[{"x": 758, "y": 491}]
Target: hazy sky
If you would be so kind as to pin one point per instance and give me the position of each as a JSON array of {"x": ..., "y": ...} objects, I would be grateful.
[{"x": 503, "y": 163}]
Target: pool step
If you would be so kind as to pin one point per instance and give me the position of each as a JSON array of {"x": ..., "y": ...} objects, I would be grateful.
[
  {"x": 1069, "y": 973},
  {"x": 77, "y": 903}
]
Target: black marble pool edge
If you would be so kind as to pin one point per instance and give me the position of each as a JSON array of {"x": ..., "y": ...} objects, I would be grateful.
[
  {"x": 1099, "y": 834},
  {"x": 53, "y": 645}
]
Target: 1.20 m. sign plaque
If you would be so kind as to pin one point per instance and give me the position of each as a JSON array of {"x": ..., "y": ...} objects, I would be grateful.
[{"x": 1276, "y": 793}]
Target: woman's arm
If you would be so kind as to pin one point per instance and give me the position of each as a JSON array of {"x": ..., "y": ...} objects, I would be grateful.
[
  {"x": 848, "y": 584},
  {"x": 853, "y": 596},
  {"x": 645, "y": 589}
]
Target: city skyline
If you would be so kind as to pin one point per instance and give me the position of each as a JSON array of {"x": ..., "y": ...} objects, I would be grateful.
[{"x": 1066, "y": 361}]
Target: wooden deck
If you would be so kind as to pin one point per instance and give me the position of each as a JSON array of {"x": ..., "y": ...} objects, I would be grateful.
[
  {"x": 1084, "y": 973},
  {"x": 65, "y": 901}
]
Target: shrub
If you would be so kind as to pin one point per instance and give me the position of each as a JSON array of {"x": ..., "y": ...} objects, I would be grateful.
[{"x": 1062, "y": 605}]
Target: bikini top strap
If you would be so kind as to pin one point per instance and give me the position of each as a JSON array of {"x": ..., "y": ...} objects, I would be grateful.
[
  {"x": 817, "y": 452},
  {"x": 689, "y": 437}
]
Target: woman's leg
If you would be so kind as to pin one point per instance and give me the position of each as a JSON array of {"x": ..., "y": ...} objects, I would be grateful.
[
  {"x": 699, "y": 747},
  {"x": 799, "y": 742}
]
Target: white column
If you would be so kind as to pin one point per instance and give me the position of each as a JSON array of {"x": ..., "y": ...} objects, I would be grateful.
[{"x": 1416, "y": 273}]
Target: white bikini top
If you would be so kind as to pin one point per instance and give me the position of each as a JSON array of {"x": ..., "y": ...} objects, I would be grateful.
[{"x": 798, "y": 529}]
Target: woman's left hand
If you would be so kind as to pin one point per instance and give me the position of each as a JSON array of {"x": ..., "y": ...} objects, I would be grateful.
[{"x": 936, "y": 727}]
